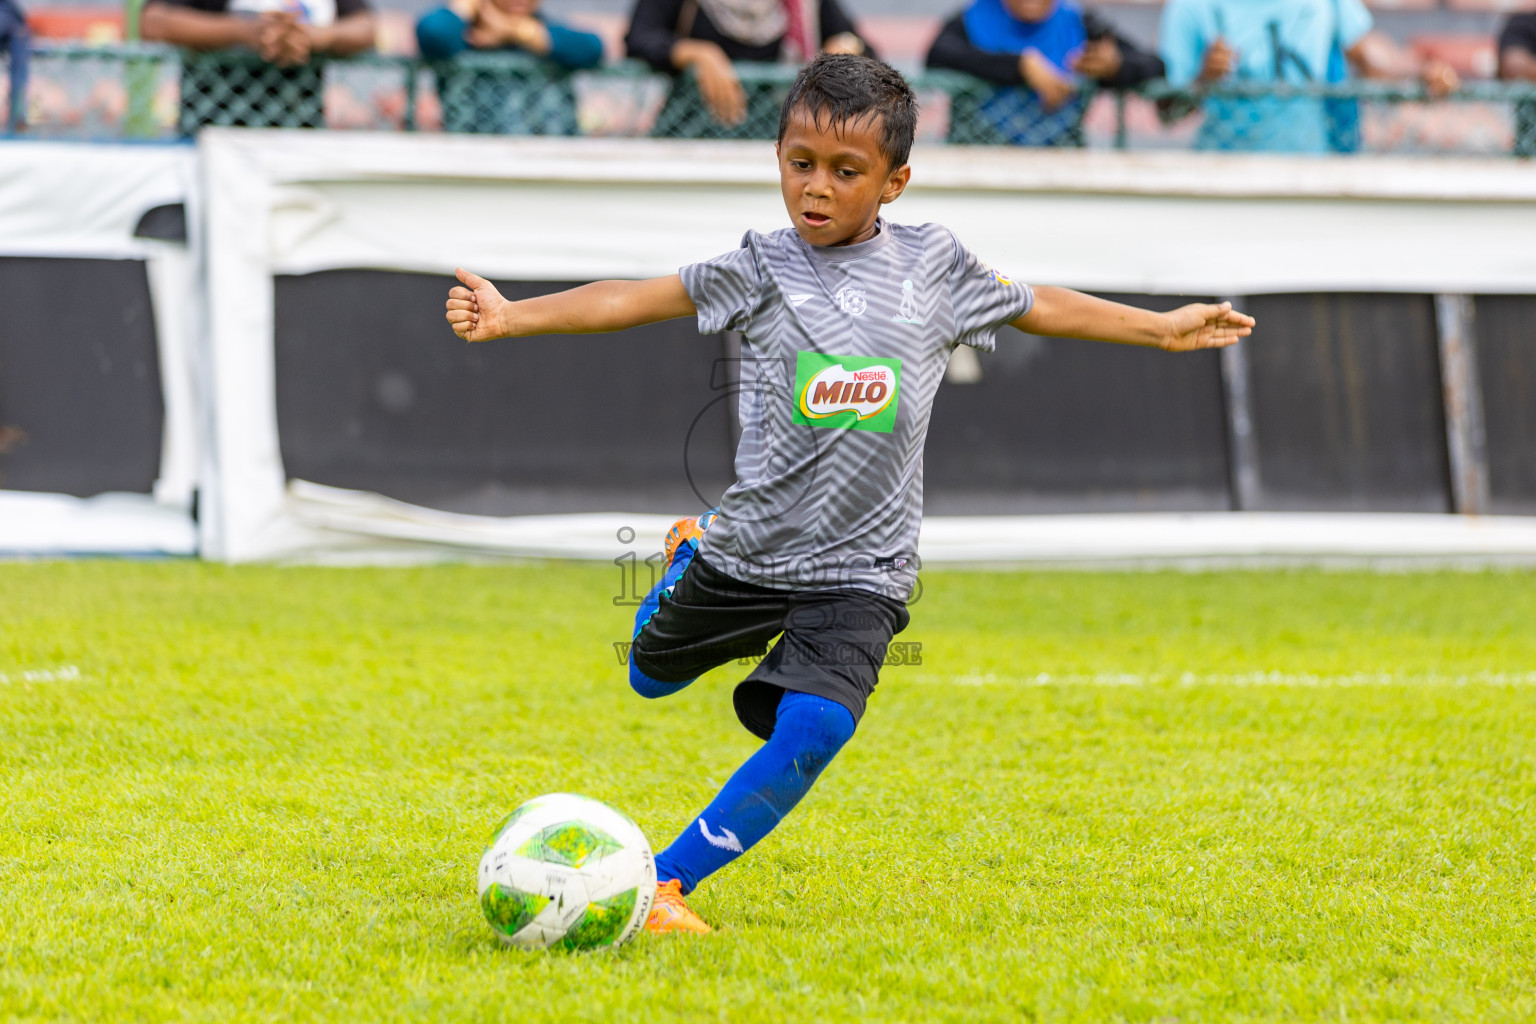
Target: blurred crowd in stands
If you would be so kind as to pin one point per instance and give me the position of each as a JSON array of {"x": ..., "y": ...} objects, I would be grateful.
[{"x": 1041, "y": 59}]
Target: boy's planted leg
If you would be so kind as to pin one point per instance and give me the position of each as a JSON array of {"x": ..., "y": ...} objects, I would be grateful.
[{"x": 808, "y": 732}]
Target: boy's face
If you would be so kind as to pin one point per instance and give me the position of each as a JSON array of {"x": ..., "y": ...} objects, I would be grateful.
[{"x": 835, "y": 178}]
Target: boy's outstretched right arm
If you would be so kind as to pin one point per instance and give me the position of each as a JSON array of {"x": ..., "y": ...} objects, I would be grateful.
[{"x": 478, "y": 312}]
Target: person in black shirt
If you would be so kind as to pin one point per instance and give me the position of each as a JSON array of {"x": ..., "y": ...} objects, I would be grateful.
[
  {"x": 1517, "y": 62},
  {"x": 287, "y": 34},
  {"x": 1036, "y": 51},
  {"x": 707, "y": 36}
]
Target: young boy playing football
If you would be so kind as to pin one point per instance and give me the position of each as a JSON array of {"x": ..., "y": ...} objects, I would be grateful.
[{"x": 847, "y": 323}]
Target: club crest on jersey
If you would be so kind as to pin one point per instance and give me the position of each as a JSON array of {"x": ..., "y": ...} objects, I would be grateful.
[
  {"x": 907, "y": 313},
  {"x": 847, "y": 392},
  {"x": 852, "y": 301}
]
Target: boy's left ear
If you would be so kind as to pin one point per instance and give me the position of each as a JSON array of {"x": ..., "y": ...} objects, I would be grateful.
[{"x": 896, "y": 183}]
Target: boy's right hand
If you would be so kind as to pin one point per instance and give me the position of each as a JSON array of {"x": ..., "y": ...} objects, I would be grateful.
[{"x": 476, "y": 310}]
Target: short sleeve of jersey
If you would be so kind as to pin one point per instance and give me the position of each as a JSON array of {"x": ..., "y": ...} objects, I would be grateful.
[
  {"x": 725, "y": 289},
  {"x": 1354, "y": 22},
  {"x": 983, "y": 300}
]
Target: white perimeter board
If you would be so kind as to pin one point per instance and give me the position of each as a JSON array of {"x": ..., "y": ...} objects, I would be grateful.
[
  {"x": 81, "y": 200},
  {"x": 579, "y": 209}
]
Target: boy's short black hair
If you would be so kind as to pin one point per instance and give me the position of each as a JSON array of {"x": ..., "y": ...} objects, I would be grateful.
[{"x": 845, "y": 87}]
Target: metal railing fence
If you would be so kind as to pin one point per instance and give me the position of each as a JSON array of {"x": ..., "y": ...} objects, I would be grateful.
[{"x": 147, "y": 91}]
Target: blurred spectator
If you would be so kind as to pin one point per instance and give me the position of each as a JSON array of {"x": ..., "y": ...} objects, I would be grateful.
[
  {"x": 506, "y": 100},
  {"x": 1297, "y": 41},
  {"x": 16, "y": 40},
  {"x": 706, "y": 36},
  {"x": 288, "y": 34},
  {"x": 1038, "y": 50},
  {"x": 505, "y": 25},
  {"x": 1517, "y": 48},
  {"x": 1517, "y": 62}
]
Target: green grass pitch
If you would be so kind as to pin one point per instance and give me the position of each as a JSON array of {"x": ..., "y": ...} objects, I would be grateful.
[{"x": 261, "y": 793}]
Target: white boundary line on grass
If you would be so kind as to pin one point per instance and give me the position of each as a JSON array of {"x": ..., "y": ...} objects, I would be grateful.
[
  {"x": 65, "y": 674},
  {"x": 1296, "y": 679}
]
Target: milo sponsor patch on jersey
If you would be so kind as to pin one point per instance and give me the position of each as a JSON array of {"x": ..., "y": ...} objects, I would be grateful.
[{"x": 850, "y": 392}]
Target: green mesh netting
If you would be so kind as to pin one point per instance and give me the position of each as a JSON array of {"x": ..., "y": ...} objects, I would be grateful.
[{"x": 149, "y": 91}]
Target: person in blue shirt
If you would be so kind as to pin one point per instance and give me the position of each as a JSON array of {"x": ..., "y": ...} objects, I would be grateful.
[
  {"x": 510, "y": 100},
  {"x": 1037, "y": 52},
  {"x": 1204, "y": 42}
]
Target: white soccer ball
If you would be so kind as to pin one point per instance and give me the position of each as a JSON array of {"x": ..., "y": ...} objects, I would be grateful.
[{"x": 567, "y": 871}]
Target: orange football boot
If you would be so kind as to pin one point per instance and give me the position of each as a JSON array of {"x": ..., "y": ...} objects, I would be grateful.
[
  {"x": 683, "y": 529},
  {"x": 670, "y": 914},
  {"x": 686, "y": 529}
]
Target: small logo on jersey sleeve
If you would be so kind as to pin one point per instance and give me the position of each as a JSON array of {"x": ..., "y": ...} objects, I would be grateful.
[
  {"x": 994, "y": 275},
  {"x": 848, "y": 392},
  {"x": 907, "y": 313}
]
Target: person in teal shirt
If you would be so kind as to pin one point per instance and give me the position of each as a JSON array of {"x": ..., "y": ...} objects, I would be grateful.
[
  {"x": 506, "y": 100},
  {"x": 1204, "y": 42}
]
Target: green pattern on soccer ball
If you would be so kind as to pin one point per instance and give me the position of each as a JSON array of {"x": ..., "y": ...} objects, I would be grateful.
[
  {"x": 509, "y": 909},
  {"x": 570, "y": 843},
  {"x": 603, "y": 922},
  {"x": 506, "y": 822}
]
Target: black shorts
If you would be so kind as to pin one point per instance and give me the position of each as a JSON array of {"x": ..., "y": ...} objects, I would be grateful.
[{"x": 833, "y": 641}]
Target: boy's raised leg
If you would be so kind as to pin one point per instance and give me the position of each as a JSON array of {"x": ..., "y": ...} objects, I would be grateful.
[{"x": 681, "y": 545}]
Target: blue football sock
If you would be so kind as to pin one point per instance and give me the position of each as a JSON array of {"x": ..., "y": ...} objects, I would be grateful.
[
  {"x": 643, "y": 684},
  {"x": 808, "y": 732}
]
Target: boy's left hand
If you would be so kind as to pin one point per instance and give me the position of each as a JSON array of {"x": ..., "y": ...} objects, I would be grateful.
[{"x": 1199, "y": 325}]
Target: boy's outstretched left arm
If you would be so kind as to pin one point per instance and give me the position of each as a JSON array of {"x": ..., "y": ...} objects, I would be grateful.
[{"x": 1064, "y": 313}]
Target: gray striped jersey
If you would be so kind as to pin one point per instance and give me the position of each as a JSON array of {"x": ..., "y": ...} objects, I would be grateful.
[{"x": 843, "y": 349}]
